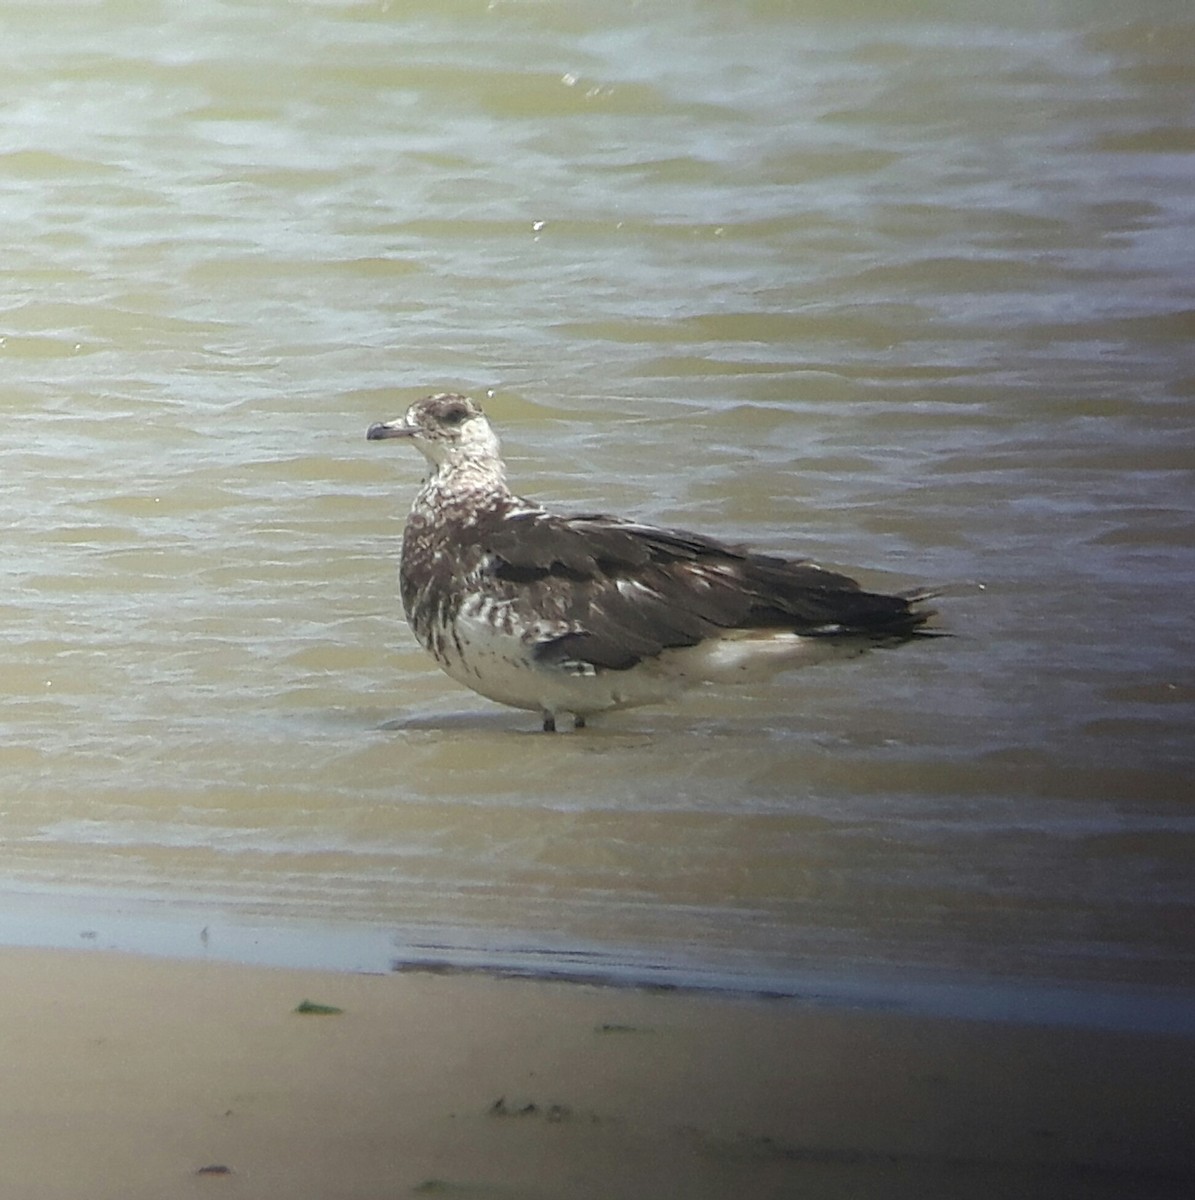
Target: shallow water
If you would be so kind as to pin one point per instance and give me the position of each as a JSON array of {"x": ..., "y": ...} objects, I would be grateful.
[{"x": 903, "y": 288}]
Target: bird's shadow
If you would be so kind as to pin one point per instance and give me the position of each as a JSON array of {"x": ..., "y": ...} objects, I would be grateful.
[
  {"x": 477, "y": 721},
  {"x": 604, "y": 732}
]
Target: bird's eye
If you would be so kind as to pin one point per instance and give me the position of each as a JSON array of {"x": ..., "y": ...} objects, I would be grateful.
[{"x": 454, "y": 415}]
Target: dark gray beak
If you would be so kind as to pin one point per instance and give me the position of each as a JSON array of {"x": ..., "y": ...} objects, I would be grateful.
[{"x": 398, "y": 428}]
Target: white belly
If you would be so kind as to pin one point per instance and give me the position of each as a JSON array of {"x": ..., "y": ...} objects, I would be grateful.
[
  {"x": 489, "y": 656},
  {"x": 502, "y": 666}
]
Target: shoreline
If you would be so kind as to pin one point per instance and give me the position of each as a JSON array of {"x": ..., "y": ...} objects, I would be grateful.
[
  {"x": 192, "y": 933},
  {"x": 138, "y": 1078},
  {"x": 124, "y": 924}
]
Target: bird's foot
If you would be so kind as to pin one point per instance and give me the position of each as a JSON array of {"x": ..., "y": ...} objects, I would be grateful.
[{"x": 550, "y": 722}]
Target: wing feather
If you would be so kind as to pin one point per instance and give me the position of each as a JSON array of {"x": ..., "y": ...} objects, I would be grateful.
[{"x": 617, "y": 592}]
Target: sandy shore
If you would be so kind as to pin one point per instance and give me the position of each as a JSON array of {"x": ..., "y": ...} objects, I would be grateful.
[{"x": 142, "y": 1079}]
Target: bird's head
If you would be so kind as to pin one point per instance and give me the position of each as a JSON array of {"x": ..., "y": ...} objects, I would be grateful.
[{"x": 448, "y": 429}]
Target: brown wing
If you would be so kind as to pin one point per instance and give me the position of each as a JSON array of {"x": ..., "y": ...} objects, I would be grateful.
[{"x": 628, "y": 591}]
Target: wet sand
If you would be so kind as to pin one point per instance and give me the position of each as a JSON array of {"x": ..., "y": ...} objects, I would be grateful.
[{"x": 144, "y": 1079}]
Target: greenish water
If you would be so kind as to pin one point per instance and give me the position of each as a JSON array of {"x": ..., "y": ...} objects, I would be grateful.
[{"x": 905, "y": 288}]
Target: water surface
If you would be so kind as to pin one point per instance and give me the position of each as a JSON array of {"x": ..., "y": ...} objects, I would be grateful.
[{"x": 905, "y": 288}]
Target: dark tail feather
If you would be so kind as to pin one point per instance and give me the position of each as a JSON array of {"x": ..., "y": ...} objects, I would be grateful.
[
  {"x": 885, "y": 618},
  {"x": 918, "y": 596}
]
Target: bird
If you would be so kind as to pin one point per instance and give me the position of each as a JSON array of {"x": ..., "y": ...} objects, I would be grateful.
[{"x": 576, "y": 615}]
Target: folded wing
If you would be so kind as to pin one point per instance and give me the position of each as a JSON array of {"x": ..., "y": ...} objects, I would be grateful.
[{"x": 623, "y": 592}]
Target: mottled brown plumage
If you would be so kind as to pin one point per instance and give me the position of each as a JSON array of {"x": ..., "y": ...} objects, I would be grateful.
[{"x": 579, "y": 614}]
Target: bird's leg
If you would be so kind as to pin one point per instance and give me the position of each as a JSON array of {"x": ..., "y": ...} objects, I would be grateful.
[
  {"x": 549, "y": 723},
  {"x": 578, "y": 722}
]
